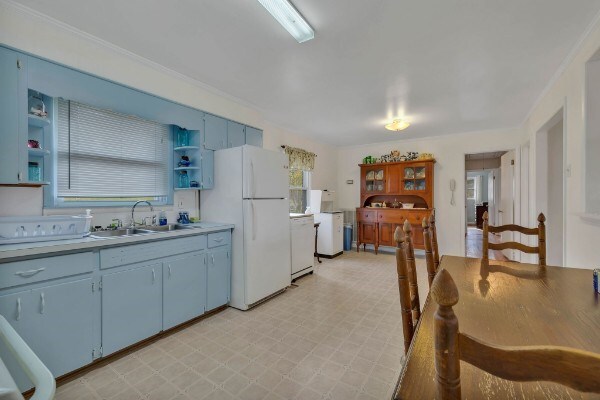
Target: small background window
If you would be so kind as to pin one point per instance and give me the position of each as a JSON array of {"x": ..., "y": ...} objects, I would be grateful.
[{"x": 299, "y": 187}]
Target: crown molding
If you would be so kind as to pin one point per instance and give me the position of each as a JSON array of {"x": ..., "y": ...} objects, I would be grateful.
[{"x": 563, "y": 66}]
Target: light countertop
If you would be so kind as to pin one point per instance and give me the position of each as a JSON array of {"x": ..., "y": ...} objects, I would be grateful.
[{"x": 11, "y": 252}]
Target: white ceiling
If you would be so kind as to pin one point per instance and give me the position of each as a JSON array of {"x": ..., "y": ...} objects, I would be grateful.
[{"x": 448, "y": 66}]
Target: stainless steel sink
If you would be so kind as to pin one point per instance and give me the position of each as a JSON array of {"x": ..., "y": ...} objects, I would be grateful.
[
  {"x": 166, "y": 228},
  {"x": 121, "y": 232}
]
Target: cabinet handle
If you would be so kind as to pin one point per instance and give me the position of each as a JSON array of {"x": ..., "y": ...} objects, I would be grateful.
[
  {"x": 169, "y": 271},
  {"x": 20, "y": 176},
  {"x": 213, "y": 258},
  {"x": 18, "y": 309},
  {"x": 218, "y": 240},
  {"x": 42, "y": 303},
  {"x": 153, "y": 276},
  {"x": 30, "y": 273},
  {"x": 19, "y": 64},
  {"x": 204, "y": 260}
]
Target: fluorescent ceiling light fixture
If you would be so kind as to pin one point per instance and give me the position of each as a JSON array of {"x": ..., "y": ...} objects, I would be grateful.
[
  {"x": 397, "y": 125},
  {"x": 285, "y": 13}
]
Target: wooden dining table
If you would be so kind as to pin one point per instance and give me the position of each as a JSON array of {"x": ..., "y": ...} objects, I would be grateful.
[{"x": 508, "y": 303}]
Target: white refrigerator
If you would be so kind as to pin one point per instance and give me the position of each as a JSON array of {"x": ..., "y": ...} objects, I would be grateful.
[{"x": 251, "y": 191}]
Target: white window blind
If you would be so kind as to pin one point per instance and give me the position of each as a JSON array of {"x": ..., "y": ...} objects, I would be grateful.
[{"x": 107, "y": 155}]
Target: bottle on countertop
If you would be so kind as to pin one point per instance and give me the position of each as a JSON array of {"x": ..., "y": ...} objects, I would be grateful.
[{"x": 162, "y": 217}]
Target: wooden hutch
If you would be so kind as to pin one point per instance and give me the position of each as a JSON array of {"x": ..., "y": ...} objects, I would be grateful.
[{"x": 392, "y": 183}]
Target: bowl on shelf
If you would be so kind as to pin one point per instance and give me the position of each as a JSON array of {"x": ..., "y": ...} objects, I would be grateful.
[
  {"x": 375, "y": 204},
  {"x": 408, "y": 205}
]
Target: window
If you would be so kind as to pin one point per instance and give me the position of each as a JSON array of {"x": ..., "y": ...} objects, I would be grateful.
[
  {"x": 471, "y": 188},
  {"x": 107, "y": 158},
  {"x": 299, "y": 187}
]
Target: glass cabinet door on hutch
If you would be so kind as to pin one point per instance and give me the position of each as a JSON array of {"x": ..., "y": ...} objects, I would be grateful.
[
  {"x": 414, "y": 178},
  {"x": 374, "y": 181}
]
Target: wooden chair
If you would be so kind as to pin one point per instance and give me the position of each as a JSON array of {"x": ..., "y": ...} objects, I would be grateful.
[
  {"x": 429, "y": 257},
  {"x": 434, "y": 243},
  {"x": 407, "y": 282},
  {"x": 577, "y": 369},
  {"x": 540, "y": 232}
]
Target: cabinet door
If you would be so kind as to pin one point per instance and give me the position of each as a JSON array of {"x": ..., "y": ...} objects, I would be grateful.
[
  {"x": 62, "y": 325},
  {"x": 13, "y": 116},
  {"x": 417, "y": 236},
  {"x": 208, "y": 162},
  {"x": 386, "y": 234},
  {"x": 218, "y": 278},
  {"x": 254, "y": 137},
  {"x": 368, "y": 232},
  {"x": 215, "y": 132},
  {"x": 184, "y": 289},
  {"x": 18, "y": 310},
  {"x": 236, "y": 135},
  {"x": 394, "y": 179},
  {"x": 131, "y": 306}
]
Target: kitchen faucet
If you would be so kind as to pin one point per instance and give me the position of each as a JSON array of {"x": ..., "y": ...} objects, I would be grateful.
[{"x": 133, "y": 210}]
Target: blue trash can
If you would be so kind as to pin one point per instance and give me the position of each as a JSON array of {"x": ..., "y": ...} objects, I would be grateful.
[{"x": 347, "y": 237}]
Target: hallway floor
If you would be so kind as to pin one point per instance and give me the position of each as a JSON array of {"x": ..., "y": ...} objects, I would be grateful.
[
  {"x": 337, "y": 335},
  {"x": 474, "y": 244}
]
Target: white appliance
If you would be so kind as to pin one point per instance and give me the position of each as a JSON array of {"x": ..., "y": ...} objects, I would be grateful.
[
  {"x": 321, "y": 201},
  {"x": 330, "y": 241},
  {"x": 251, "y": 191},
  {"x": 302, "y": 230}
]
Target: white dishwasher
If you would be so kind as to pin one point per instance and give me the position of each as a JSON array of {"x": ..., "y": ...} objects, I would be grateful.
[{"x": 303, "y": 245}]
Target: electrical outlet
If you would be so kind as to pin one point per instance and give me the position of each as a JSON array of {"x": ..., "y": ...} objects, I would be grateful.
[{"x": 180, "y": 205}]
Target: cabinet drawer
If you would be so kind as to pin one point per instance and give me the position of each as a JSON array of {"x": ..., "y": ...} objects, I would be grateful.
[
  {"x": 416, "y": 218},
  {"x": 42, "y": 269},
  {"x": 367, "y": 216},
  {"x": 219, "y": 239},
  {"x": 148, "y": 251},
  {"x": 391, "y": 217}
]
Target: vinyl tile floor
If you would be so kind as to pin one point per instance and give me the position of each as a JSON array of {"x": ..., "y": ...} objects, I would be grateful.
[{"x": 336, "y": 335}]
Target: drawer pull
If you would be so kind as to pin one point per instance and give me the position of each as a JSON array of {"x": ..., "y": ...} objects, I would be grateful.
[
  {"x": 18, "y": 309},
  {"x": 30, "y": 273},
  {"x": 42, "y": 303},
  {"x": 218, "y": 240}
]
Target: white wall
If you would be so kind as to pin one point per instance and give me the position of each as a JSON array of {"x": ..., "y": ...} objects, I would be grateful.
[
  {"x": 449, "y": 152},
  {"x": 65, "y": 45},
  {"x": 568, "y": 91}
]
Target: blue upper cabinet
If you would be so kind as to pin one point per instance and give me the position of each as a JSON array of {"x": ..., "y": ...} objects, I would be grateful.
[
  {"x": 13, "y": 117},
  {"x": 208, "y": 162},
  {"x": 236, "y": 134},
  {"x": 215, "y": 132},
  {"x": 254, "y": 137}
]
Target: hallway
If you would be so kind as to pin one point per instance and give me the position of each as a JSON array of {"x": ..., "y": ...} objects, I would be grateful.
[{"x": 474, "y": 244}]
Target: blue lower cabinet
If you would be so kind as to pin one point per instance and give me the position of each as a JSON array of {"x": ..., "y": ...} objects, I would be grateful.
[
  {"x": 184, "y": 289},
  {"x": 63, "y": 313},
  {"x": 131, "y": 306},
  {"x": 18, "y": 310},
  {"x": 56, "y": 322},
  {"x": 218, "y": 277}
]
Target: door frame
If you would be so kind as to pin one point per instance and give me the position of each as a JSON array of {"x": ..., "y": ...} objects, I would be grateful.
[
  {"x": 560, "y": 113},
  {"x": 516, "y": 192}
]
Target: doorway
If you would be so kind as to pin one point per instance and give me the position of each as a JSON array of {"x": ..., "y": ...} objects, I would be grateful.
[
  {"x": 550, "y": 184},
  {"x": 488, "y": 188}
]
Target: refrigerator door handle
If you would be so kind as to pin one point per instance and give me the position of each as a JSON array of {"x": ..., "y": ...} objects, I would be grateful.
[
  {"x": 253, "y": 221},
  {"x": 252, "y": 175}
]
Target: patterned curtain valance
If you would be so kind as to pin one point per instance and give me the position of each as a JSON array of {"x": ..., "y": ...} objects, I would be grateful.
[{"x": 300, "y": 158}]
